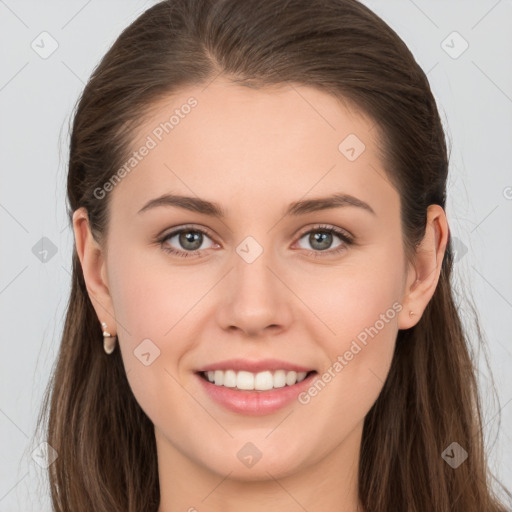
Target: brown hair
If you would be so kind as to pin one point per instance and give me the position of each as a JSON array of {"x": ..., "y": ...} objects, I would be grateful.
[{"x": 107, "y": 453}]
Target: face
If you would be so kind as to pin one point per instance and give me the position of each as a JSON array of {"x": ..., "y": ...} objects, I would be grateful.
[{"x": 318, "y": 287}]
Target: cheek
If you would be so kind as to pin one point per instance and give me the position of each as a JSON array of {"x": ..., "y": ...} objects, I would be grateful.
[
  {"x": 157, "y": 311},
  {"x": 136, "y": 299},
  {"x": 150, "y": 297},
  {"x": 362, "y": 292},
  {"x": 358, "y": 308}
]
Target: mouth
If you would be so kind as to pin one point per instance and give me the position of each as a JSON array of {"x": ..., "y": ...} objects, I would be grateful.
[
  {"x": 257, "y": 382},
  {"x": 255, "y": 393}
]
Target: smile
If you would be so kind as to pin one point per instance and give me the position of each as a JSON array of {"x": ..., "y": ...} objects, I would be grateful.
[
  {"x": 249, "y": 381},
  {"x": 249, "y": 400}
]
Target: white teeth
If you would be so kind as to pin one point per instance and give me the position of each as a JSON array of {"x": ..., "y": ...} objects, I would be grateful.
[
  {"x": 254, "y": 381},
  {"x": 229, "y": 379},
  {"x": 279, "y": 379},
  {"x": 291, "y": 378},
  {"x": 263, "y": 380},
  {"x": 219, "y": 378},
  {"x": 245, "y": 380}
]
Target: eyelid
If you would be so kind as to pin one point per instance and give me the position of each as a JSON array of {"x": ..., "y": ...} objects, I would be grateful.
[
  {"x": 346, "y": 237},
  {"x": 299, "y": 234},
  {"x": 183, "y": 227},
  {"x": 327, "y": 227}
]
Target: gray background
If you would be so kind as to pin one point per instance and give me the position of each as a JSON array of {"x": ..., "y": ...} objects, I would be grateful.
[{"x": 474, "y": 93}]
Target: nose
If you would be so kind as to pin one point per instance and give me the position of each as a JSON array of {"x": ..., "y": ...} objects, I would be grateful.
[{"x": 255, "y": 299}]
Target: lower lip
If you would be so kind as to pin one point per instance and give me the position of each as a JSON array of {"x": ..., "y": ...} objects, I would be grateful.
[{"x": 255, "y": 403}]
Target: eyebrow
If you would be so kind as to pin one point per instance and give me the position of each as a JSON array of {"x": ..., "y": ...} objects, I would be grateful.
[{"x": 195, "y": 204}]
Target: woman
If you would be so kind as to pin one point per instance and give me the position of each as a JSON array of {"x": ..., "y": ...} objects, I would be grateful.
[{"x": 261, "y": 312}]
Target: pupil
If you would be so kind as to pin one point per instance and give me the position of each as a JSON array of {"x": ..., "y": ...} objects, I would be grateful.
[
  {"x": 190, "y": 237},
  {"x": 321, "y": 236}
]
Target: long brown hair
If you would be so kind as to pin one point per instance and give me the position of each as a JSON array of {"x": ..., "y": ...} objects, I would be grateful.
[{"x": 107, "y": 453}]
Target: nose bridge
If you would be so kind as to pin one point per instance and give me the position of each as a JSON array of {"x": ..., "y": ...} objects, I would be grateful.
[
  {"x": 252, "y": 281},
  {"x": 256, "y": 298}
]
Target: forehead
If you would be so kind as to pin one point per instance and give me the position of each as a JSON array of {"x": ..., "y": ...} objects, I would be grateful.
[
  {"x": 282, "y": 115},
  {"x": 228, "y": 143}
]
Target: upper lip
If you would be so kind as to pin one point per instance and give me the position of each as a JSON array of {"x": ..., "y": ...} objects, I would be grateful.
[{"x": 254, "y": 366}]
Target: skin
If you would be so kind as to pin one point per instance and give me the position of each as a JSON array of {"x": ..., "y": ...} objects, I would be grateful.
[{"x": 254, "y": 152}]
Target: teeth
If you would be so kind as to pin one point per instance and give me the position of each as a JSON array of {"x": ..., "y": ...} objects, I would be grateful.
[{"x": 254, "y": 381}]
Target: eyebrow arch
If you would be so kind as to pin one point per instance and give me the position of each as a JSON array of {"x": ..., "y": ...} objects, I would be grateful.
[{"x": 297, "y": 208}]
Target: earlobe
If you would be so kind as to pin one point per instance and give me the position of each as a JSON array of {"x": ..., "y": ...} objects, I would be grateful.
[
  {"x": 423, "y": 275},
  {"x": 93, "y": 265}
]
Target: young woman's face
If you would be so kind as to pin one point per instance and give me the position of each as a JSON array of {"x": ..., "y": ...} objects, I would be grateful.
[{"x": 260, "y": 282}]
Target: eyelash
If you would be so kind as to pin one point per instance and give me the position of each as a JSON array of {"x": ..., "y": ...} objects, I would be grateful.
[{"x": 347, "y": 241}]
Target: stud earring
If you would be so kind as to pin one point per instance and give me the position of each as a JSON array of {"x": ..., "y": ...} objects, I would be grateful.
[
  {"x": 411, "y": 313},
  {"x": 109, "y": 341}
]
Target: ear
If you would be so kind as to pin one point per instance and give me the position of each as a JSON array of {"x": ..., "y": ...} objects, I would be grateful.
[
  {"x": 423, "y": 273},
  {"x": 94, "y": 269}
]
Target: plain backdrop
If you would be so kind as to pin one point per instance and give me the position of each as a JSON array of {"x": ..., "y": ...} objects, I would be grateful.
[{"x": 48, "y": 51}]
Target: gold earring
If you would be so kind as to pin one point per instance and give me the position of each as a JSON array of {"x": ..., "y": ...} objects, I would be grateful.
[
  {"x": 411, "y": 313},
  {"x": 109, "y": 341}
]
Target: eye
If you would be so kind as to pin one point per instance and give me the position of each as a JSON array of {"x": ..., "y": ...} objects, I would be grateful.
[
  {"x": 189, "y": 238},
  {"x": 321, "y": 238}
]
